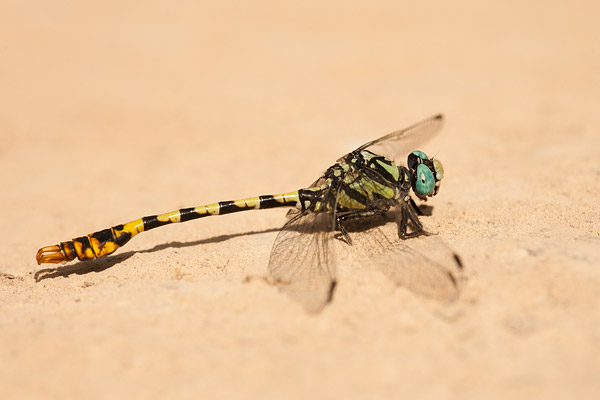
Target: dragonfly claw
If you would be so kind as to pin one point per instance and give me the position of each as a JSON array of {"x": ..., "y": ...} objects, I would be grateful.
[{"x": 50, "y": 254}]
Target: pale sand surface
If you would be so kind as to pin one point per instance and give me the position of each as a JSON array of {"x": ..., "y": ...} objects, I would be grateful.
[{"x": 116, "y": 110}]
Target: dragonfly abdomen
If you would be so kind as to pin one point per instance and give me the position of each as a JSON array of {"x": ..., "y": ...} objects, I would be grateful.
[{"x": 107, "y": 241}]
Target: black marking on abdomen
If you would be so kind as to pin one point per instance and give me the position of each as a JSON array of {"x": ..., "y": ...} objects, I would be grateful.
[
  {"x": 152, "y": 222},
  {"x": 104, "y": 236},
  {"x": 188, "y": 214},
  {"x": 121, "y": 237},
  {"x": 85, "y": 245},
  {"x": 71, "y": 247},
  {"x": 268, "y": 201},
  {"x": 228, "y": 207}
]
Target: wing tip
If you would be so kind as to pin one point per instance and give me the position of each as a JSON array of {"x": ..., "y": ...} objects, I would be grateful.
[
  {"x": 458, "y": 261},
  {"x": 437, "y": 118},
  {"x": 331, "y": 290}
]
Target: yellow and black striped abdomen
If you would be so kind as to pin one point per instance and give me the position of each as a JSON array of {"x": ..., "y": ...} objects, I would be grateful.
[{"x": 107, "y": 241}]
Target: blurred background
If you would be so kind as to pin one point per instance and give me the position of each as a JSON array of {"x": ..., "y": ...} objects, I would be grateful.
[{"x": 114, "y": 110}]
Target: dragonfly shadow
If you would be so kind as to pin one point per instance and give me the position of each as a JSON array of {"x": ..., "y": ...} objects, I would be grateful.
[
  {"x": 425, "y": 210},
  {"x": 366, "y": 223},
  {"x": 377, "y": 221},
  {"x": 99, "y": 265}
]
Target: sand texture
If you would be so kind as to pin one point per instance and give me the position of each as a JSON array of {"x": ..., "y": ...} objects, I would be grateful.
[{"x": 110, "y": 111}]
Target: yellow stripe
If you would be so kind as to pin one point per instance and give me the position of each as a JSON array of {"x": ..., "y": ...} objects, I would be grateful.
[
  {"x": 252, "y": 202},
  {"x": 212, "y": 209},
  {"x": 173, "y": 216},
  {"x": 289, "y": 197},
  {"x": 133, "y": 227},
  {"x": 87, "y": 254}
]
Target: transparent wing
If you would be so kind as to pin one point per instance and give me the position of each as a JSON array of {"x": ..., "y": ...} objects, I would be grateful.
[
  {"x": 397, "y": 144},
  {"x": 424, "y": 264},
  {"x": 318, "y": 182},
  {"x": 301, "y": 263}
]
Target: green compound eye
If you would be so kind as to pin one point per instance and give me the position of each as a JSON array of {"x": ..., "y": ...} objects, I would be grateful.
[
  {"x": 424, "y": 181},
  {"x": 420, "y": 154}
]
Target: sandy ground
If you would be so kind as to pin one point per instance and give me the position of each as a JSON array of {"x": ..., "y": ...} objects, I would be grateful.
[{"x": 114, "y": 110}]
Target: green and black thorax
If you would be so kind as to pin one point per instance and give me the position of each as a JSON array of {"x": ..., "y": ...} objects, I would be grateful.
[{"x": 363, "y": 180}]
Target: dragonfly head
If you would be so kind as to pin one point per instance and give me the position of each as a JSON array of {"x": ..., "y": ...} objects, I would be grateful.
[{"x": 426, "y": 174}]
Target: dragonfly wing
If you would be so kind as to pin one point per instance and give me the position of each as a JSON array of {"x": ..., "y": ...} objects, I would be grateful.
[
  {"x": 425, "y": 267},
  {"x": 301, "y": 263},
  {"x": 425, "y": 264},
  {"x": 397, "y": 144}
]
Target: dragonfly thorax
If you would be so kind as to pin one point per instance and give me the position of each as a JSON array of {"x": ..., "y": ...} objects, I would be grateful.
[{"x": 364, "y": 180}]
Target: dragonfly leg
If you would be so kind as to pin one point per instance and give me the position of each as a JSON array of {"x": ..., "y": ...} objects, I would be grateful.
[
  {"x": 416, "y": 207},
  {"x": 410, "y": 214}
]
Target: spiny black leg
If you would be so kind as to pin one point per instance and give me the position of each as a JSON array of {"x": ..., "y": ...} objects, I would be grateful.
[
  {"x": 402, "y": 224},
  {"x": 408, "y": 212},
  {"x": 416, "y": 207},
  {"x": 343, "y": 233}
]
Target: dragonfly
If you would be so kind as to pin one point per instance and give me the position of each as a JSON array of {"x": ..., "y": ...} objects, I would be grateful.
[{"x": 363, "y": 184}]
